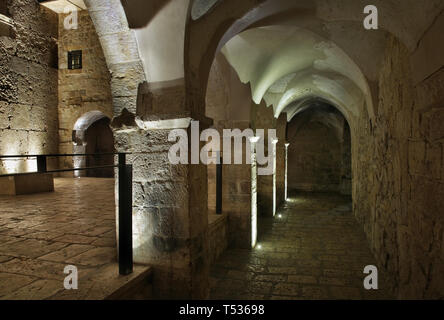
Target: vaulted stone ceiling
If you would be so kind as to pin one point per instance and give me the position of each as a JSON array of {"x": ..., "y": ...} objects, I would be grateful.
[{"x": 286, "y": 66}]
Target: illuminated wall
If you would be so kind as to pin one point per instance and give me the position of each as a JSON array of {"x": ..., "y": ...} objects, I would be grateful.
[{"x": 28, "y": 78}]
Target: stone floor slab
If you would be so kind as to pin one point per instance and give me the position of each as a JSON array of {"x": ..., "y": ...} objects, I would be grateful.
[
  {"x": 40, "y": 234},
  {"x": 313, "y": 249}
]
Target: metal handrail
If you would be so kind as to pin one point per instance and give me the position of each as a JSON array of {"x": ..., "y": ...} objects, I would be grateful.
[
  {"x": 58, "y": 170},
  {"x": 55, "y": 155}
]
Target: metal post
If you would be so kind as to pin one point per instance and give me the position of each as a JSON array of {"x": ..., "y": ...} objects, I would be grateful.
[
  {"x": 125, "y": 217},
  {"x": 122, "y": 159},
  {"x": 219, "y": 185},
  {"x": 41, "y": 163}
]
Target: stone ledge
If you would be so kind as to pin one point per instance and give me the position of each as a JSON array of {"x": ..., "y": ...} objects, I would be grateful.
[
  {"x": 215, "y": 219},
  {"x": 7, "y": 27},
  {"x": 27, "y": 184},
  {"x": 107, "y": 284}
]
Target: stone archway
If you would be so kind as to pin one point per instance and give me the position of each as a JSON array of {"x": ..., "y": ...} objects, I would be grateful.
[{"x": 92, "y": 135}]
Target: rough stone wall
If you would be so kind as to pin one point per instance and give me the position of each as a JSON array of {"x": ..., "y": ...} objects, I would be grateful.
[
  {"x": 399, "y": 188},
  {"x": 217, "y": 236},
  {"x": 81, "y": 90},
  {"x": 281, "y": 128},
  {"x": 28, "y": 86},
  {"x": 346, "y": 164},
  {"x": 161, "y": 100},
  {"x": 211, "y": 174},
  {"x": 314, "y": 159}
]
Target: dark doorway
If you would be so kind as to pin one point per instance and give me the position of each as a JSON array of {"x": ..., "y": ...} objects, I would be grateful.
[{"x": 99, "y": 139}]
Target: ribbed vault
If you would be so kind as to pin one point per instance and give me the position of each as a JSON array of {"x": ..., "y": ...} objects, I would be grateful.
[{"x": 287, "y": 66}]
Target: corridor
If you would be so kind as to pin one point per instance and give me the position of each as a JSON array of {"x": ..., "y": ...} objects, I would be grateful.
[{"x": 312, "y": 249}]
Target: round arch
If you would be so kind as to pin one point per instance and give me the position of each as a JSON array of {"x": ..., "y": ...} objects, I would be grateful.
[{"x": 91, "y": 135}]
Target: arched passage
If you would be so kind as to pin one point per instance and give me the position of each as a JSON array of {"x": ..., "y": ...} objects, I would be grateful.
[{"x": 93, "y": 135}]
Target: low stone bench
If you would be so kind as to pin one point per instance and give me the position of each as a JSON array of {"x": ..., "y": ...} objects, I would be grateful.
[{"x": 26, "y": 183}]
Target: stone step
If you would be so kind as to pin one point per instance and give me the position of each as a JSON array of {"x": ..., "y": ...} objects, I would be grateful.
[
  {"x": 138, "y": 287},
  {"x": 105, "y": 283}
]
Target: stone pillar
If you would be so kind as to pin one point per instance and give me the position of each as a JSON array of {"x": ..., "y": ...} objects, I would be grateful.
[
  {"x": 346, "y": 171},
  {"x": 267, "y": 184},
  {"x": 236, "y": 199},
  {"x": 281, "y": 128},
  {"x": 286, "y": 172},
  {"x": 274, "y": 176},
  {"x": 169, "y": 210},
  {"x": 253, "y": 142},
  {"x": 265, "y": 195}
]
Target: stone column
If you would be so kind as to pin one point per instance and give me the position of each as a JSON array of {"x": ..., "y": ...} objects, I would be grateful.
[
  {"x": 346, "y": 171},
  {"x": 274, "y": 176},
  {"x": 236, "y": 196},
  {"x": 253, "y": 142},
  {"x": 169, "y": 210},
  {"x": 286, "y": 171},
  {"x": 281, "y": 128}
]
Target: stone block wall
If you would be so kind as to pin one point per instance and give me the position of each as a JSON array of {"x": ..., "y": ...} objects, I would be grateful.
[
  {"x": 281, "y": 128},
  {"x": 82, "y": 90},
  {"x": 263, "y": 118},
  {"x": 217, "y": 236},
  {"x": 160, "y": 100},
  {"x": 346, "y": 163},
  {"x": 28, "y": 86},
  {"x": 211, "y": 173},
  {"x": 399, "y": 188}
]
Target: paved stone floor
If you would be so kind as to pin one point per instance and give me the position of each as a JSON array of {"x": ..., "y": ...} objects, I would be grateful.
[
  {"x": 40, "y": 234},
  {"x": 313, "y": 249}
]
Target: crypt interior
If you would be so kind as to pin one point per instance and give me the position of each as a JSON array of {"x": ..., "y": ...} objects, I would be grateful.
[{"x": 358, "y": 169}]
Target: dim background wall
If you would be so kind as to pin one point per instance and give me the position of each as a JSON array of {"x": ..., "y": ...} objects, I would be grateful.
[{"x": 318, "y": 155}]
